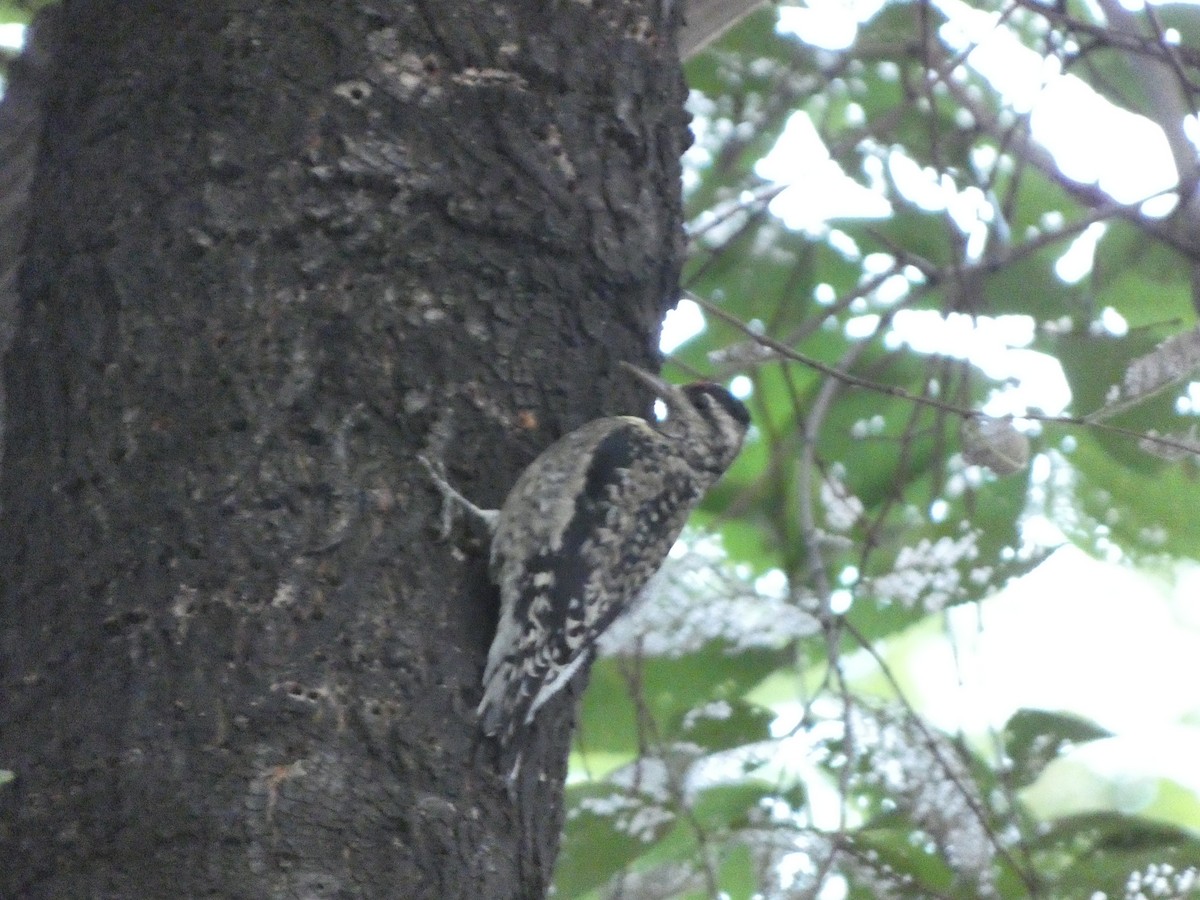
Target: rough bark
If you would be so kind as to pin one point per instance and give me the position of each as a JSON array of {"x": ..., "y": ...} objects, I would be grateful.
[{"x": 275, "y": 250}]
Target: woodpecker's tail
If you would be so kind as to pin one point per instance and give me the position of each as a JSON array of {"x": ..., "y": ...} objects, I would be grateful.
[{"x": 505, "y": 703}]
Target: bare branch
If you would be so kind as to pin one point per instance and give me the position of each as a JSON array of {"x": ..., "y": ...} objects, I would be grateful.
[
  {"x": 892, "y": 391},
  {"x": 707, "y": 20}
]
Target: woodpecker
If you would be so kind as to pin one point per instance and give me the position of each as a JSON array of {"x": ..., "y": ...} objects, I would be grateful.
[{"x": 584, "y": 528}]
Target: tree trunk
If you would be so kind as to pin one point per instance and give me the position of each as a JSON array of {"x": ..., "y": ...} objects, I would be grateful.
[{"x": 274, "y": 252}]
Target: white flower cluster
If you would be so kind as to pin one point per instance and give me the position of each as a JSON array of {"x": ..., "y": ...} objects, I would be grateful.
[
  {"x": 923, "y": 774},
  {"x": 718, "y": 710},
  {"x": 1162, "y": 881},
  {"x": 809, "y": 864},
  {"x": 630, "y": 814},
  {"x": 842, "y": 508},
  {"x": 1171, "y": 362},
  {"x": 927, "y": 573},
  {"x": 638, "y": 804},
  {"x": 698, "y": 597}
]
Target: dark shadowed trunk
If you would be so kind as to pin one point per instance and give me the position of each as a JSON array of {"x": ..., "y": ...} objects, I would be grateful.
[{"x": 275, "y": 251}]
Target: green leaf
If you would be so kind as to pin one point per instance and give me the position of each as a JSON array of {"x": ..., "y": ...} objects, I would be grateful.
[
  {"x": 1029, "y": 287},
  {"x": 928, "y": 235},
  {"x": 1176, "y": 804},
  {"x": 668, "y": 690},
  {"x": 1156, "y": 308},
  {"x": 1146, "y": 510},
  {"x": 890, "y": 848},
  {"x": 596, "y": 847},
  {"x": 1035, "y": 737},
  {"x": 1146, "y": 281},
  {"x": 1100, "y": 850},
  {"x": 1109, "y": 73},
  {"x": 728, "y": 806},
  {"x": 1034, "y": 199},
  {"x": 737, "y": 877},
  {"x": 1095, "y": 363},
  {"x": 897, "y": 23},
  {"x": 721, "y": 67},
  {"x": 732, "y": 723},
  {"x": 764, "y": 274},
  {"x": 876, "y": 469},
  {"x": 22, "y": 11}
]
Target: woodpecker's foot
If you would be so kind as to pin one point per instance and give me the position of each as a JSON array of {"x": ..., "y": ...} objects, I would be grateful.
[{"x": 452, "y": 498}]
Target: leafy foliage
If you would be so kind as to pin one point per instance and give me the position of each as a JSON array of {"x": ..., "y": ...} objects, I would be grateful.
[{"x": 864, "y": 503}]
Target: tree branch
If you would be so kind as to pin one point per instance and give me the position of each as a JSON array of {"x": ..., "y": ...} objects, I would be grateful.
[{"x": 707, "y": 20}]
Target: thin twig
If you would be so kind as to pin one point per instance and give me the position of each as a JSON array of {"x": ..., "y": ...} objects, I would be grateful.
[
  {"x": 931, "y": 744},
  {"x": 901, "y": 393}
]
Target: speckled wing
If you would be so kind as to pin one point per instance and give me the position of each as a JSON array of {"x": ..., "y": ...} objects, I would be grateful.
[{"x": 582, "y": 531}]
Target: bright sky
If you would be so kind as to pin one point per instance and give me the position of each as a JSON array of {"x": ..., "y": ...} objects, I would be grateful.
[{"x": 1129, "y": 665}]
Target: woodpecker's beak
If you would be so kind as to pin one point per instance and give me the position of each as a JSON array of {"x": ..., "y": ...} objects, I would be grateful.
[{"x": 676, "y": 402}]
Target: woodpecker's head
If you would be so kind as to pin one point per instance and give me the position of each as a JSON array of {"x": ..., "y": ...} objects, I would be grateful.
[{"x": 708, "y": 422}]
